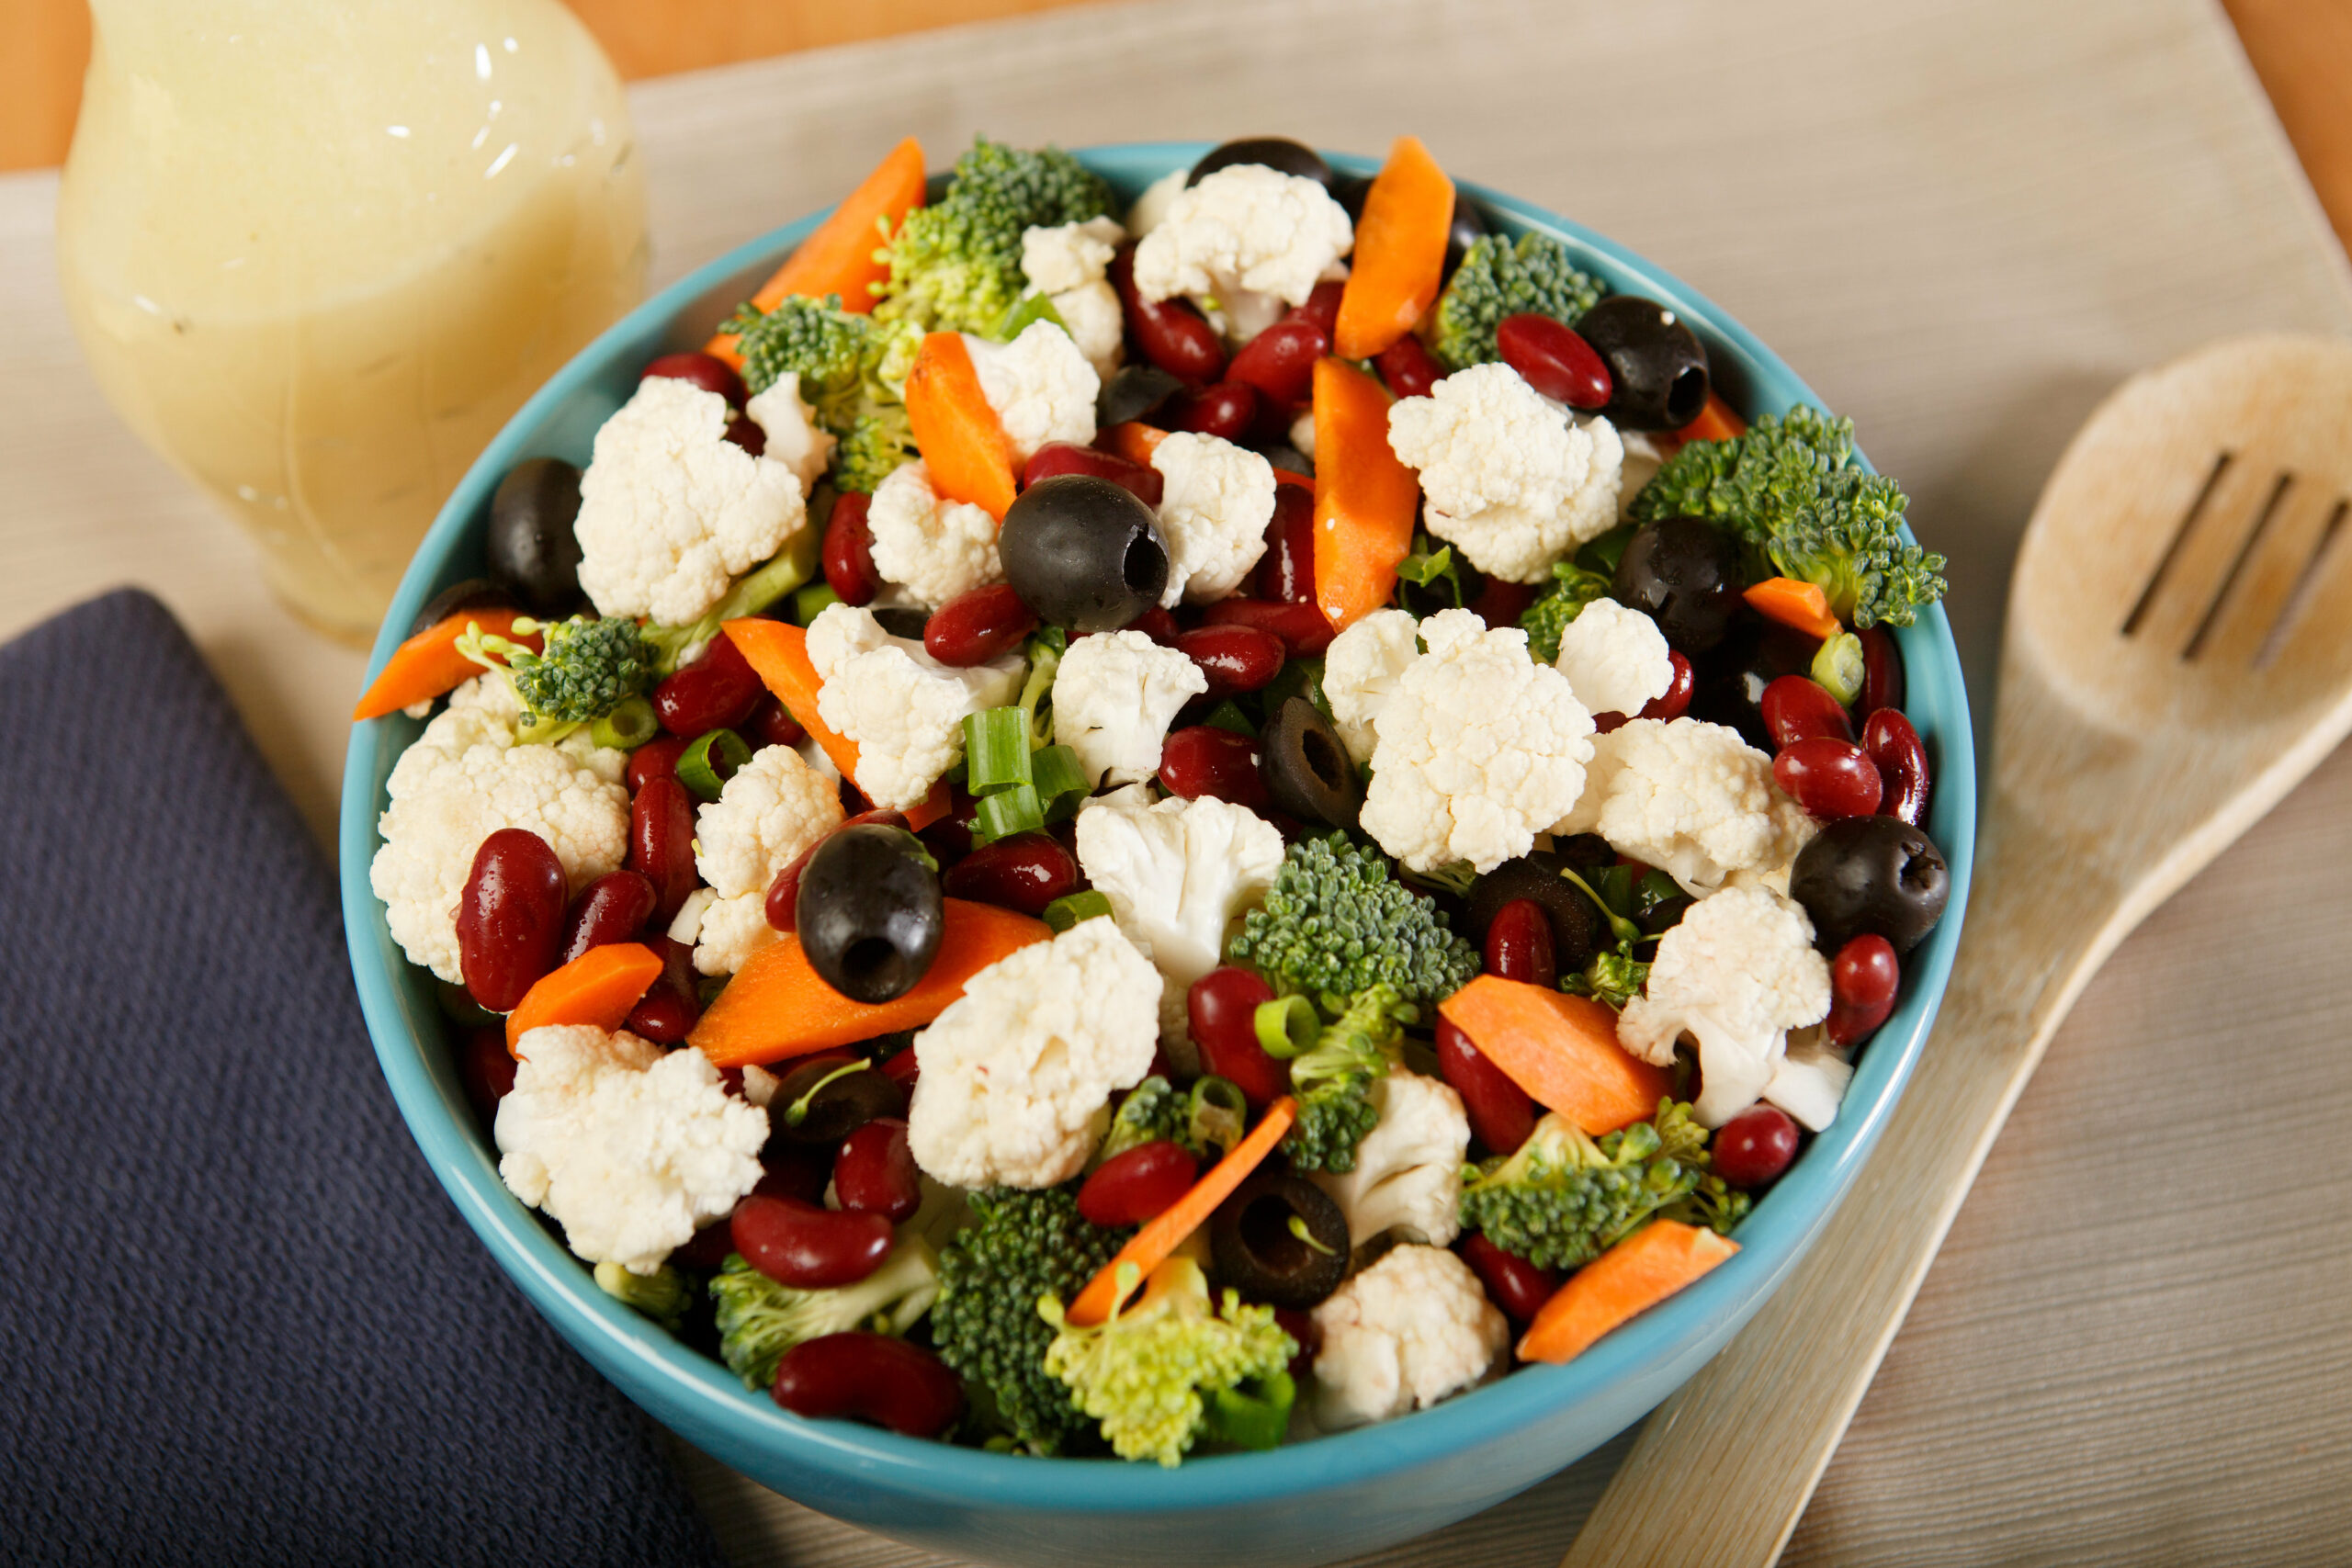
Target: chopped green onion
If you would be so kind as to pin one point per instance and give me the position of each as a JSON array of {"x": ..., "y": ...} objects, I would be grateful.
[
  {"x": 706, "y": 765},
  {"x": 1286, "y": 1026},
  {"x": 996, "y": 751},
  {"x": 1220, "y": 1112},
  {"x": 1227, "y": 715},
  {"x": 1030, "y": 308},
  {"x": 1055, "y": 772},
  {"x": 1838, "y": 666},
  {"x": 628, "y": 726},
  {"x": 1252, "y": 1415},
  {"x": 1013, "y": 810},
  {"x": 1072, "y": 908},
  {"x": 812, "y": 602}
]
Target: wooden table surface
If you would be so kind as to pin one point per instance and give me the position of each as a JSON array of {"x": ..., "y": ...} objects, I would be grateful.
[{"x": 2132, "y": 1350}]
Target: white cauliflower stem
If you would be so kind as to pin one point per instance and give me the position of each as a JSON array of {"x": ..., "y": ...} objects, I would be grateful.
[
  {"x": 1615, "y": 657},
  {"x": 903, "y": 707},
  {"x": 1215, "y": 504},
  {"x": 1409, "y": 1169},
  {"x": 772, "y": 808},
  {"x": 1114, "y": 696},
  {"x": 1360, "y": 673},
  {"x": 1243, "y": 244},
  {"x": 1691, "y": 798},
  {"x": 1040, "y": 386},
  {"x": 933, "y": 548},
  {"x": 1411, "y": 1329}
]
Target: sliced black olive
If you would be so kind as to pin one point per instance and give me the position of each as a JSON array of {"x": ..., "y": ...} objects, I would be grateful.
[
  {"x": 1308, "y": 771},
  {"x": 869, "y": 912},
  {"x": 1729, "y": 681},
  {"x": 472, "y": 594},
  {"x": 901, "y": 620},
  {"x": 1657, "y": 366},
  {"x": 1083, "y": 553},
  {"x": 1468, "y": 228},
  {"x": 531, "y": 550},
  {"x": 1255, "y": 1240},
  {"x": 1579, "y": 928},
  {"x": 1870, "y": 876},
  {"x": 825, "y": 1099},
  {"x": 1274, "y": 151},
  {"x": 1137, "y": 390},
  {"x": 1684, "y": 573}
]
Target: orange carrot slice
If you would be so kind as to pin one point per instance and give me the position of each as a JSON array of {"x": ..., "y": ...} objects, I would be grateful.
[
  {"x": 429, "y": 663},
  {"x": 955, "y": 430},
  {"x": 1630, "y": 1278},
  {"x": 1161, "y": 1235},
  {"x": 778, "y": 654},
  {"x": 599, "y": 986},
  {"x": 1795, "y": 604},
  {"x": 839, "y": 257},
  {"x": 1401, "y": 253},
  {"x": 1561, "y": 1049},
  {"x": 1715, "y": 423},
  {"x": 777, "y": 1007},
  {"x": 1289, "y": 477},
  {"x": 1136, "y": 441},
  {"x": 1365, "y": 499}
]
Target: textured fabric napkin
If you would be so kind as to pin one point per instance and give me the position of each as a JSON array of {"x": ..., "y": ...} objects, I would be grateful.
[{"x": 239, "y": 1321}]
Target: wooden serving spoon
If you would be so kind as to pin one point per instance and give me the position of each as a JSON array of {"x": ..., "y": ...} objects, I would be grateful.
[{"x": 2178, "y": 657}]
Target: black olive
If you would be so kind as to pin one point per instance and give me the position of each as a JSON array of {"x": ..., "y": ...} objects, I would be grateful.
[
  {"x": 1657, "y": 366},
  {"x": 1684, "y": 573},
  {"x": 901, "y": 620},
  {"x": 473, "y": 593},
  {"x": 1137, "y": 390},
  {"x": 1283, "y": 454},
  {"x": 1579, "y": 928},
  {"x": 825, "y": 1099},
  {"x": 1274, "y": 151},
  {"x": 531, "y": 550},
  {"x": 869, "y": 913},
  {"x": 1870, "y": 876},
  {"x": 1728, "y": 683},
  {"x": 1083, "y": 553},
  {"x": 1348, "y": 191},
  {"x": 1468, "y": 228},
  {"x": 1257, "y": 1253},
  {"x": 1308, "y": 771}
]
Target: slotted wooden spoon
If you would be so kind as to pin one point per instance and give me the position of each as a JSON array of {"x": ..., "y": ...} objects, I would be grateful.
[{"x": 2179, "y": 656}]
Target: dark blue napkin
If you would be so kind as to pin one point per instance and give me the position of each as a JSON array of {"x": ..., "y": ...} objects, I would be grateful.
[{"x": 238, "y": 1321}]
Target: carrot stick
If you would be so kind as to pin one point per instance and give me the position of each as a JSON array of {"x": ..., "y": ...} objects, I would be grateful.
[
  {"x": 1715, "y": 423},
  {"x": 1400, "y": 252},
  {"x": 1630, "y": 1278},
  {"x": 778, "y": 654},
  {"x": 839, "y": 257},
  {"x": 1795, "y": 604},
  {"x": 777, "y": 1007},
  {"x": 599, "y": 987},
  {"x": 1136, "y": 441},
  {"x": 1161, "y": 1235},
  {"x": 955, "y": 430},
  {"x": 1561, "y": 1049},
  {"x": 1365, "y": 499},
  {"x": 1290, "y": 477},
  {"x": 429, "y": 663}
]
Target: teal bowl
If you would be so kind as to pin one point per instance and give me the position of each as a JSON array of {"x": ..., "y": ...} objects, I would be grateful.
[{"x": 1306, "y": 1504}]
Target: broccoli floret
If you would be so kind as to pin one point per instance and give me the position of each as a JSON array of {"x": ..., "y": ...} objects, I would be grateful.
[
  {"x": 760, "y": 1319},
  {"x": 1209, "y": 1116},
  {"x": 1564, "y": 1198},
  {"x": 1023, "y": 1246},
  {"x": 1499, "y": 277},
  {"x": 752, "y": 593},
  {"x": 663, "y": 1295},
  {"x": 956, "y": 265},
  {"x": 881, "y": 444},
  {"x": 1335, "y": 920},
  {"x": 1791, "y": 489},
  {"x": 1572, "y": 589},
  {"x": 586, "y": 668},
  {"x": 1145, "y": 1372},
  {"x": 853, "y": 373},
  {"x": 1333, "y": 1077}
]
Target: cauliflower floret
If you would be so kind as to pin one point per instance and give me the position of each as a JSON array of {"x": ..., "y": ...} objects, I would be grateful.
[
  {"x": 463, "y": 780},
  {"x": 1244, "y": 242},
  {"x": 772, "y": 808},
  {"x": 1615, "y": 657},
  {"x": 1360, "y": 673},
  {"x": 1176, "y": 873},
  {"x": 1040, "y": 386},
  {"x": 1068, "y": 255},
  {"x": 794, "y": 436},
  {"x": 1810, "y": 1081},
  {"x": 671, "y": 511},
  {"x": 1738, "y": 972},
  {"x": 1408, "y": 1167},
  {"x": 1691, "y": 798},
  {"x": 1302, "y": 435},
  {"x": 1151, "y": 207},
  {"x": 1478, "y": 749},
  {"x": 625, "y": 1146},
  {"x": 904, "y": 708},
  {"x": 1509, "y": 475},
  {"x": 933, "y": 548},
  {"x": 1215, "y": 504},
  {"x": 1114, "y": 696},
  {"x": 1016, "y": 1076},
  {"x": 1096, "y": 324},
  {"x": 1411, "y": 1329}
]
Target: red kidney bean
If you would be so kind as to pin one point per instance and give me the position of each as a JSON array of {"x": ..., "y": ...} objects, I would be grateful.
[
  {"x": 950, "y": 837},
  {"x": 978, "y": 626},
  {"x": 1226, "y": 411},
  {"x": 657, "y": 759},
  {"x": 1678, "y": 692},
  {"x": 1157, "y": 624},
  {"x": 875, "y": 1172},
  {"x": 1146, "y": 483},
  {"x": 1755, "y": 1147},
  {"x": 1235, "y": 659},
  {"x": 1301, "y": 626},
  {"x": 717, "y": 690},
  {"x": 808, "y": 1248},
  {"x": 510, "y": 918},
  {"x": 1026, "y": 872},
  {"x": 1408, "y": 368},
  {"x": 1519, "y": 945},
  {"x": 771, "y": 724},
  {"x": 1222, "y": 1008},
  {"x": 661, "y": 842},
  {"x": 903, "y": 1068},
  {"x": 1280, "y": 362},
  {"x": 487, "y": 1067},
  {"x": 1829, "y": 778},
  {"x": 1500, "y": 603},
  {"x": 1171, "y": 333},
  {"x": 707, "y": 371},
  {"x": 1131, "y": 1186},
  {"x": 614, "y": 907},
  {"x": 1305, "y": 1334},
  {"x": 707, "y": 1248},
  {"x": 1902, "y": 762},
  {"x": 1554, "y": 360},
  {"x": 875, "y": 1378},
  {"x": 1286, "y": 572},
  {"x": 1863, "y": 979},
  {"x": 1882, "y": 670},
  {"x": 1797, "y": 708},
  {"x": 796, "y": 1172},
  {"x": 1321, "y": 309},
  {"x": 849, "y": 549},
  {"x": 1500, "y": 1112},
  {"x": 1517, "y": 1286},
  {"x": 1205, "y": 759},
  {"x": 672, "y": 1006},
  {"x": 747, "y": 432},
  {"x": 783, "y": 892}
]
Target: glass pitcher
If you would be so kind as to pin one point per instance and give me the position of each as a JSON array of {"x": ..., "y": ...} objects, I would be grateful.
[{"x": 318, "y": 253}]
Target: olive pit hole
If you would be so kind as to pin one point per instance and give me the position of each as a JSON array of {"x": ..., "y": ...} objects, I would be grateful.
[
  {"x": 1688, "y": 397},
  {"x": 1265, "y": 1230},
  {"x": 1142, "y": 566}
]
